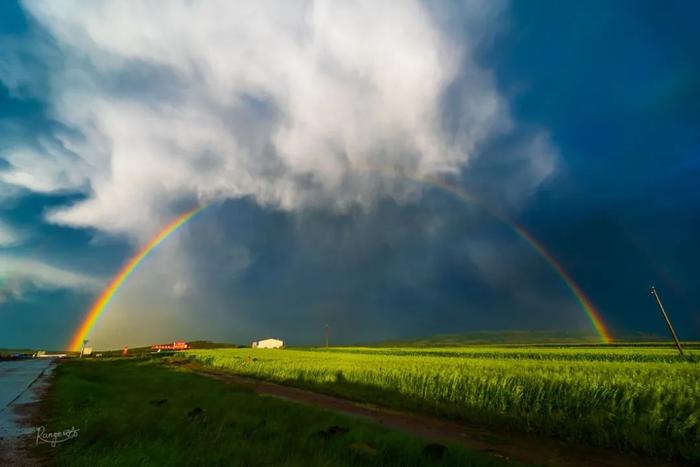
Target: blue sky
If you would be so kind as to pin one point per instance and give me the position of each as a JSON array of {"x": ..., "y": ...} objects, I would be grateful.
[{"x": 578, "y": 120}]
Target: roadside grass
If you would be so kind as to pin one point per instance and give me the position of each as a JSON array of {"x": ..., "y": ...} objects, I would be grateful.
[{"x": 141, "y": 412}]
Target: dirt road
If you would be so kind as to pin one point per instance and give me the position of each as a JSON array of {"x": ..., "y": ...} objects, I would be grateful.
[{"x": 522, "y": 448}]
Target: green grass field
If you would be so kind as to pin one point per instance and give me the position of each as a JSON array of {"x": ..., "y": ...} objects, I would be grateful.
[
  {"x": 140, "y": 412},
  {"x": 643, "y": 399}
]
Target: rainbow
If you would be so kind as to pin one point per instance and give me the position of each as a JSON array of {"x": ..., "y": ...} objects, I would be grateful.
[
  {"x": 107, "y": 294},
  {"x": 585, "y": 302}
]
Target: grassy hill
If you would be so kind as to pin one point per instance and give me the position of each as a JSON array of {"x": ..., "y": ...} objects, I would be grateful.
[{"x": 514, "y": 337}]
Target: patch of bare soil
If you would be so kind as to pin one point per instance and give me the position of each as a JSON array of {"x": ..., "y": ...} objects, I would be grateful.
[{"x": 519, "y": 447}]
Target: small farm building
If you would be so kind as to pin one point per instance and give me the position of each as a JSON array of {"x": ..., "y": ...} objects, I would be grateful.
[{"x": 268, "y": 344}]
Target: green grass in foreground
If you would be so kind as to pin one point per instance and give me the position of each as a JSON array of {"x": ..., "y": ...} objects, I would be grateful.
[
  {"x": 141, "y": 413},
  {"x": 631, "y": 399}
]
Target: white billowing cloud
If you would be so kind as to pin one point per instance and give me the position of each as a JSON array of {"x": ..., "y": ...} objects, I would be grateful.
[
  {"x": 181, "y": 288},
  {"x": 20, "y": 274},
  {"x": 274, "y": 100},
  {"x": 531, "y": 162},
  {"x": 47, "y": 170},
  {"x": 8, "y": 236}
]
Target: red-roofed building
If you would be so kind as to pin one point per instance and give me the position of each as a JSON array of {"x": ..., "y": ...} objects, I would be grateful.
[{"x": 174, "y": 346}]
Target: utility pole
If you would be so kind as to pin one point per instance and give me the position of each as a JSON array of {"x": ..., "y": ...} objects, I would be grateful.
[
  {"x": 327, "y": 328},
  {"x": 82, "y": 350},
  {"x": 668, "y": 321}
]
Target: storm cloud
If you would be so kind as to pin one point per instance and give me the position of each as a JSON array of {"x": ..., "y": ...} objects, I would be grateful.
[
  {"x": 288, "y": 103},
  {"x": 306, "y": 128}
]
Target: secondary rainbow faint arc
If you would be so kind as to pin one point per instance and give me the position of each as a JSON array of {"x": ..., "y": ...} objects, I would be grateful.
[
  {"x": 114, "y": 285},
  {"x": 108, "y": 293}
]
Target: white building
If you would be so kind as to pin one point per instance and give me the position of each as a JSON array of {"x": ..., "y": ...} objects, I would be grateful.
[
  {"x": 43, "y": 354},
  {"x": 268, "y": 344}
]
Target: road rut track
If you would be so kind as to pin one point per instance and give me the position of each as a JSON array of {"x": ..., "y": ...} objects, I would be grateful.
[{"x": 524, "y": 448}]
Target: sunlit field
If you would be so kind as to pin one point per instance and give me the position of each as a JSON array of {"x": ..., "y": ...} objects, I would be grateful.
[
  {"x": 644, "y": 399},
  {"x": 140, "y": 412}
]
